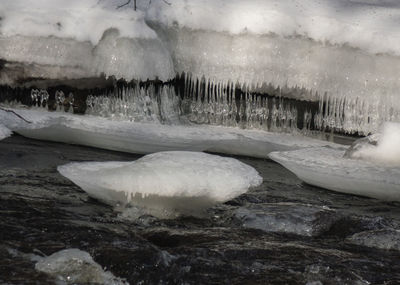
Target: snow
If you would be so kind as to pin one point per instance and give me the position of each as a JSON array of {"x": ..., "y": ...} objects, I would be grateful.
[
  {"x": 83, "y": 38},
  {"x": 385, "y": 150},
  {"x": 76, "y": 266},
  {"x": 4, "y": 132},
  {"x": 327, "y": 168},
  {"x": 74, "y": 19},
  {"x": 149, "y": 137},
  {"x": 164, "y": 174},
  {"x": 368, "y": 25}
]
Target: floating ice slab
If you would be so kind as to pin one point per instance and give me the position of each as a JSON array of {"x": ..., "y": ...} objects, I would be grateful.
[
  {"x": 148, "y": 137},
  {"x": 76, "y": 266},
  {"x": 382, "y": 239},
  {"x": 299, "y": 219},
  {"x": 164, "y": 174},
  {"x": 4, "y": 132},
  {"x": 327, "y": 168}
]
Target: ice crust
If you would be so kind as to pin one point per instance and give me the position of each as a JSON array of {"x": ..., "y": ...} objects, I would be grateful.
[
  {"x": 75, "y": 266},
  {"x": 384, "y": 148},
  {"x": 299, "y": 219},
  {"x": 149, "y": 137},
  {"x": 4, "y": 132},
  {"x": 83, "y": 38},
  {"x": 367, "y": 25},
  {"x": 327, "y": 168},
  {"x": 164, "y": 174}
]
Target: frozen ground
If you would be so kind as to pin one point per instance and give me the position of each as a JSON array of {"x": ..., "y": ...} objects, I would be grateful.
[{"x": 249, "y": 239}]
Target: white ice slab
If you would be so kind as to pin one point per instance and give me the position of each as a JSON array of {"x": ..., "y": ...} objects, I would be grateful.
[
  {"x": 4, "y": 132},
  {"x": 74, "y": 266},
  {"x": 149, "y": 137},
  {"x": 164, "y": 174},
  {"x": 325, "y": 167}
]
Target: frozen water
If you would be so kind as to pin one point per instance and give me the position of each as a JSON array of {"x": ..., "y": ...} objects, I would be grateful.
[
  {"x": 383, "y": 239},
  {"x": 327, "y": 168},
  {"x": 367, "y": 25},
  {"x": 147, "y": 138},
  {"x": 83, "y": 39},
  {"x": 164, "y": 174},
  {"x": 300, "y": 219},
  {"x": 74, "y": 266},
  {"x": 4, "y": 132},
  {"x": 380, "y": 148}
]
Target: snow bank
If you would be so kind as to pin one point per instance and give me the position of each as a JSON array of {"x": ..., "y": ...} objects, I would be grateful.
[
  {"x": 164, "y": 174},
  {"x": 78, "y": 20},
  {"x": 385, "y": 150},
  {"x": 76, "y": 266},
  {"x": 149, "y": 137},
  {"x": 4, "y": 132},
  {"x": 83, "y": 38},
  {"x": 370, "y": 25},
  {"x": 327, "y": 168}
]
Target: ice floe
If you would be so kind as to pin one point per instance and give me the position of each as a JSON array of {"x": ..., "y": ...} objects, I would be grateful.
[
  {"x": 300, "y": 219},
  {"x": 327, "y": 168},
  {"x": 4, "y": 132},
  {"x": 148, "y": 137},
  {"x": 165, "y": 174},
  {"x": 74, "y": 266}
]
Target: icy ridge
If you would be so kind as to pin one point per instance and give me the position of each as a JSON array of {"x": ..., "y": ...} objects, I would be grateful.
[{"x": 370, "y": 25}]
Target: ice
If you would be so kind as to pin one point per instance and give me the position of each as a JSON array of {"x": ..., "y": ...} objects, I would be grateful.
[
  {"x": 4, "y": 132},
  {"x": 327, "y": 168},
  {"x": 300, "y": 219},
  {"x": 165, "y": 174},
  {"x": 381, "y": 148},
  {"x": 342, "y": 53},
  {"x": 83, "y": 39},
  {"x": 148, "y": 137},
  {"x": 382, "y": 239},
  {"x": 74, "y": 266}
]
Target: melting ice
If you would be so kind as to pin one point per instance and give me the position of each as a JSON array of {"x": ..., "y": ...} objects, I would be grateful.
[{"x": 160, "y": 176}]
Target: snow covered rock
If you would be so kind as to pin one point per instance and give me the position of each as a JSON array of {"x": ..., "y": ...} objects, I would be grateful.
[
  {"x": 299, "y": 219},
  {"x": 327, "y": 168},
  {"x": 75, "y": 266},
  {"x": 164, "y": 174},
  {"x": 4, "y": 132}
]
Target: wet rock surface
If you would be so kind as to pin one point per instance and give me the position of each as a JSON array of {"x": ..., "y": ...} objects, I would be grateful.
[{"x": 318, "y": 236}]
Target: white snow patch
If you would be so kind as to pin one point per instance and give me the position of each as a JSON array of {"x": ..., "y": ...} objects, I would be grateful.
[
  {"x": 149, "y": 137},
  {"x": 164, "y": 174},
  {"x": 327, "y": 168},
  {"x": 79, "y": 20},
  {"x": 368, "y": 25},
  {"x": 76, "y": 266},
  {"x": 387, "y": 150},
  {"x": 4, "y": 132},
  {"x": 83, "y": 39}
]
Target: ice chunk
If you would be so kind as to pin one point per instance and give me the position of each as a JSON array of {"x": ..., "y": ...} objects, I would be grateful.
[
  {"x": 383, "y": 239},
  {"x": 368, "y": 25},
  {"x": 76, "y": 266},
  {"x": 146, "y": 137},
  {"x": 305, "y": 220},
  {"x": 381, "y": 148},
  {"x": 327, "y": 168},
  {"x": 83, "y": 39},
  {"x": 164, "y": 174},
  {"x": 4, "y": 132}
]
